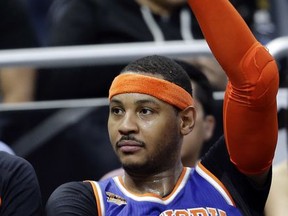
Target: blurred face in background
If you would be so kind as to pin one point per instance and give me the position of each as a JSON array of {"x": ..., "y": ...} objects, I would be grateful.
[{"x": 202, "y": 132}]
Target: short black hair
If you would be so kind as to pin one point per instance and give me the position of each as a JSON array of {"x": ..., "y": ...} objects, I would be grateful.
[
  {"x": 168, "y": 68},
  {"x": 203, "y": 90}
]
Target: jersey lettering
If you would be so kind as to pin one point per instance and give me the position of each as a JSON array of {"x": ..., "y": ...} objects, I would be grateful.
[{"x": 194, "y": 212}]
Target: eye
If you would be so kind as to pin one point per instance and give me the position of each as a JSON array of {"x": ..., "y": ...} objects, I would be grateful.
[
  {"x": 116, "y": 111},
  {"x": 146, "y": 111}
]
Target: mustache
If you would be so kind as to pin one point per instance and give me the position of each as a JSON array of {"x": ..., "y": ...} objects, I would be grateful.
[{"x": 131, "y": 138}]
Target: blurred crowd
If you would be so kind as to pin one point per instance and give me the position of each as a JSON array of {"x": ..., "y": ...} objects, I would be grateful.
[{"x": 51, "y": 23}]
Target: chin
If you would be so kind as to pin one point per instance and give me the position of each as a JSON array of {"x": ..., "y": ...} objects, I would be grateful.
[
  {"x": 141, "y": 168},
  {"x": 132, "y": 166}
]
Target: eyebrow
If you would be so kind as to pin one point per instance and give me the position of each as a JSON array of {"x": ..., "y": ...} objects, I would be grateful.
[
  {"x": 115, "y": 101},
  {"x": 150, "y": 101},
  {"x": 138, "y": 102}
]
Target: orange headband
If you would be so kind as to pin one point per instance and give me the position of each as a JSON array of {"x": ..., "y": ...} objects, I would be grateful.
[{"x": 159, "y": 88}]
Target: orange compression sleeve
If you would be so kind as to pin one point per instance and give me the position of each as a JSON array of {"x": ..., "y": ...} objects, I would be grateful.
[{"x": 250, "y": 108}]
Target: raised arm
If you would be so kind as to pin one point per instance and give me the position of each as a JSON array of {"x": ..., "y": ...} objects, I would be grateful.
[{"x": 250, "y": 109}]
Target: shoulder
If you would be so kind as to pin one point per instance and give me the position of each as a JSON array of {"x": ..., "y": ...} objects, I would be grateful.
[
  {"x": 17, "y": 171},
  {"x": 72, "y": 196},
  {"x": 241, "y": 189},
  {"x": 14, "y": 164},
  {"x": 217, "y": 156},
  {"x": 19, "y": 186},
  {"x": 77, "y": 188}
]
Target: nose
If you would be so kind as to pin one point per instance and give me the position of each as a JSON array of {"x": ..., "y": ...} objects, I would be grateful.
[{"x": 128, "y": 124}]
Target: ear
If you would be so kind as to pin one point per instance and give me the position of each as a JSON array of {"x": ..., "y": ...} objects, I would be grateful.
[
  {"x": 209, "y": 125},
  {"x": 188, "y": 117}
]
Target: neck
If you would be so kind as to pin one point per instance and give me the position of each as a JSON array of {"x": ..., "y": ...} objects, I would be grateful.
[{"x": 160, "y": 184}]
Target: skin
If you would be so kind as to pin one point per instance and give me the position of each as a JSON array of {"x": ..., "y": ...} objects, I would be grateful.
[
  {"x": 157, "y": 132},
  {"x": 278, "y": 195},
  {"x": 202, "y": 131},
  {"x": 17, "y": 84}
]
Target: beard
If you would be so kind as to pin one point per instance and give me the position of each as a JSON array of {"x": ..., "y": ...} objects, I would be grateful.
[
  {"x": 155, "y": 164},
  {"x": 144, "y": 168}
]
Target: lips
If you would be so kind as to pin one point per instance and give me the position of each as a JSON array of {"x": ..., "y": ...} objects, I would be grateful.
[{"x": 129, "y": 146}]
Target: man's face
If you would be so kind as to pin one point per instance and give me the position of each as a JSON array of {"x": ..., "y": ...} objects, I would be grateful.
[
  {"x": 193, "y": 142},
  {"x": 144, "y": 132},
  {"x": 202, "y": 131}
]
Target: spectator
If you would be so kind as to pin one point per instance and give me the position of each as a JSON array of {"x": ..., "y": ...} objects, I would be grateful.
[
  {"x": 17, "y": 83},
  {"x": 20, "y": 192},
  {"x": 200, "y": 139},
  {"x": 151, "y": 110},
  {"x": 94, "y": 22},
  {"x": 38, "y": 11}
]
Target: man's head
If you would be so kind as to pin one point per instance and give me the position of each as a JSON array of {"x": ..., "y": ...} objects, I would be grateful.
[
  {"x": 151, "y": 109},
  {"x": 205, "y": 120},
  {"x": 161, "y": 66}
]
